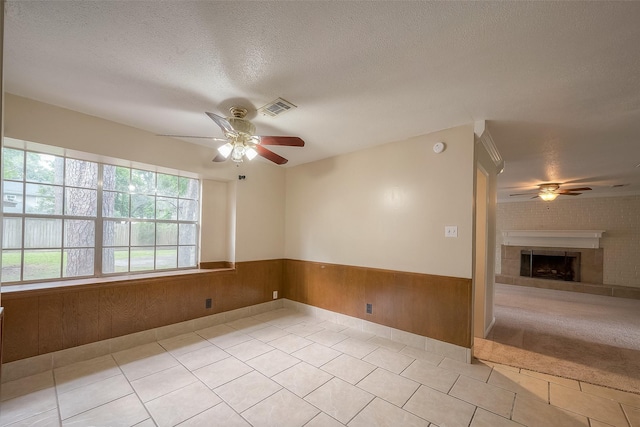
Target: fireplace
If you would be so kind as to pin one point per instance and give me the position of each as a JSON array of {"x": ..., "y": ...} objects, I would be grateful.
[
  {"x": 550, "y": 265},
  {"x": 555, "y": 259}
]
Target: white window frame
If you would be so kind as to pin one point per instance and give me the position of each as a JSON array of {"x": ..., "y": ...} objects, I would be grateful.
[{"x": 99, "y": 220}]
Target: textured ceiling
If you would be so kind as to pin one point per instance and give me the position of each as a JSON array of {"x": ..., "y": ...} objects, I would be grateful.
[{"x": 559, "y": 82}]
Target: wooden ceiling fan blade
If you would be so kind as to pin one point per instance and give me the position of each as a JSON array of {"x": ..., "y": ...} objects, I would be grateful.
[
  {"x": 535, "y": 197},
  {"x": 568, "y": 193},
  {"x": 522, "y": 194},
  {"x": 578, "y": 189},
  {"x": 222, "y": 122},
  {"x": 289, "y": 141},
  {"x": 270, "y": 155}
]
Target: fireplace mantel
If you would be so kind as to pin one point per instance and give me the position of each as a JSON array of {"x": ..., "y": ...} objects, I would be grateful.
[{"x": 553, "y": 238}]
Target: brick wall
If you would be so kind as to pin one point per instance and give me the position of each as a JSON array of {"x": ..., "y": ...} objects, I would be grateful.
[{"x": 618, "y": 216}]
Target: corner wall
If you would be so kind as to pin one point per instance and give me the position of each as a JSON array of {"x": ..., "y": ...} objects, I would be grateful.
[
  {"x": 436, "y": 307},
  {"x": 368, "y": 227}
]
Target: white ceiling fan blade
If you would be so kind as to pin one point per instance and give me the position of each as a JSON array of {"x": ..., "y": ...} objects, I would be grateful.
[
  {"x": 222, "y": 122},
  {"x": 211, "y": 138}
]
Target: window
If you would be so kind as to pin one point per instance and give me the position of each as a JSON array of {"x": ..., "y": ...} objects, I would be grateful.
[{"x": 66, "y": 217}]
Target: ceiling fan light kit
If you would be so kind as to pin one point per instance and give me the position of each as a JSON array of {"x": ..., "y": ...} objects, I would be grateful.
[
  {"x": 242, "y": 143},
  {"x": 548, "y": 192},
  {"x": 548, "y": 197}
]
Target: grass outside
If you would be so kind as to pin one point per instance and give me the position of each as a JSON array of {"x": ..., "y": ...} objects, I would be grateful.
[{"x": 46, "y": 264}]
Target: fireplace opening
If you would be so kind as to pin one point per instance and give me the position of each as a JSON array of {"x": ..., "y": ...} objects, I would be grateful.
[{"x": 551, "y": 265}]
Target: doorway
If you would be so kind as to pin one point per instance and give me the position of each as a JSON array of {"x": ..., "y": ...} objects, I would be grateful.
[{"x": 480, "y": 324}]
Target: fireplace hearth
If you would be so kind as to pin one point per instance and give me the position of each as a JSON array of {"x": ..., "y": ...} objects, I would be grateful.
[{"x": 550, "y": 265}]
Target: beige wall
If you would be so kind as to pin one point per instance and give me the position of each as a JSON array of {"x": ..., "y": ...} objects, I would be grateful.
[
  {"x": 260, "y": 198},
  {"x": 260, "y": 213},
  {"x": 214, "y": 230},
  {"x": 386, "y": 207},
  {"x": 618, "y": 216}
]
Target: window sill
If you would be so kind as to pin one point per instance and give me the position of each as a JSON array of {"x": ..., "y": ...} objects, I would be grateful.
[{"x": 98, "y": 282}]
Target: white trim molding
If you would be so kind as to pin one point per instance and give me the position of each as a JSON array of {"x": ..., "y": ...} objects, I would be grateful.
[
  {"x": 481, "y": 131},
  {"x": 553, "y": 238}
]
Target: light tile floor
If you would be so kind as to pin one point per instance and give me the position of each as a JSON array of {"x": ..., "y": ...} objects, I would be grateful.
[{"x": 283, "y": 369}]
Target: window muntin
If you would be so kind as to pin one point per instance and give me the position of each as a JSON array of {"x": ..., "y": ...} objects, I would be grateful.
[
  {"x": 147, "y": 220},
  {"x": 44, "y": 168}
]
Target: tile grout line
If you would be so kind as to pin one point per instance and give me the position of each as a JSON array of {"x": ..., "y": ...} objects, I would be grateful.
[
  {"x": 134, "y": 390},
  {"x": 258, "y": 402},
  {"x": 475, "y": 411},
  {"x": 623, "y": 413},
  {"x": 452, "y": 386},
  {"x": 316, "y": 416},
  {"x": 362, "y": 409},
  {"x": 412, "y": 394},
  {"x": 55, "y": 389},
  {"x": 513, "y": 406},
  {"x": 393, "y": 373},
  {"x": 303, "y": 397},
  {"x": 94, "y": 382}
]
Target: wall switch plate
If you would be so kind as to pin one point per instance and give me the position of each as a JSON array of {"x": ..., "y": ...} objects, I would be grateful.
[
  {"x": 275, "y": 294},
  {"x": 450, "y": 231},
  {"x": 369, "y": 308}
]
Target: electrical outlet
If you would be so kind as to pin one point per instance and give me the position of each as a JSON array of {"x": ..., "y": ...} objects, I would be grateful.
[
  {"x": 450, "y": 231},
  {"x": 275, "y": 294},
  {"x": 207, "y": 303},
  {"x": 369, "y": 308}
]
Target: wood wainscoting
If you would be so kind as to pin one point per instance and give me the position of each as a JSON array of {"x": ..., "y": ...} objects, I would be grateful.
[
  {"x": 437, "y": 307},
  {"x": 46, "y": 320}
]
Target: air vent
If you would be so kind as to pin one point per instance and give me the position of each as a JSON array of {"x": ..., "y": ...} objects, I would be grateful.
[{"x": 276, "y": 108}]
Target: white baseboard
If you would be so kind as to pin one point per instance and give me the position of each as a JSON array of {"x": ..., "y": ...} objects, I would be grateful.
[{"x": 493, "y": 322}]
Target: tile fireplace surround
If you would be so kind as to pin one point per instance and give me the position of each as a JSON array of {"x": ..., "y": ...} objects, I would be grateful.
[{"x": 586, "y": 242}]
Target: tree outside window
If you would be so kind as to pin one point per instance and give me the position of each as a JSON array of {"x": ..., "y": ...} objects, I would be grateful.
[{"x": 54, "y": 228}]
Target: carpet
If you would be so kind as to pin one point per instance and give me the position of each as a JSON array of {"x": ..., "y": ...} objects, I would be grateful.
[{"x": 590, "y": 338}]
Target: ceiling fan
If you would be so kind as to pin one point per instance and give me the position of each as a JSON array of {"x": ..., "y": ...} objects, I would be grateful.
[
  {"x": 241, "y": 141},
  {"x": 549, "y": 192}
]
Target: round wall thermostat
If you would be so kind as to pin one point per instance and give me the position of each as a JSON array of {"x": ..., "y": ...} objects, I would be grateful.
[{"x": 438, "y": 147}]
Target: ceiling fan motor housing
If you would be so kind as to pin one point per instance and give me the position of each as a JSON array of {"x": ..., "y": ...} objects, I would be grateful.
[
  {"x": 549, "y": 188},
  {"x": 243, "y": 126}
]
